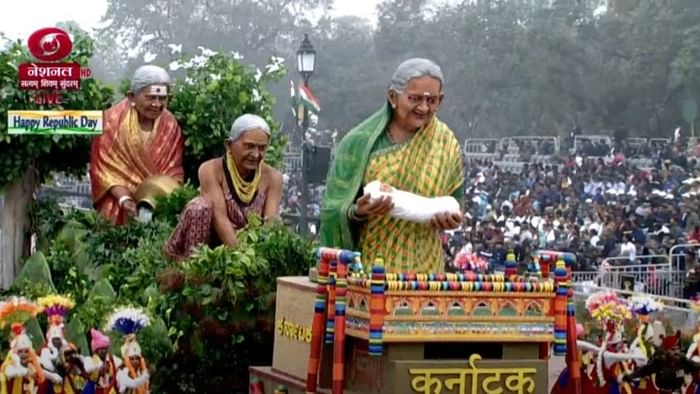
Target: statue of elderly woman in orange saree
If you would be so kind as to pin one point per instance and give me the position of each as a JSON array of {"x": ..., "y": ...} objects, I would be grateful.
[{"x": 141, "y": 140}]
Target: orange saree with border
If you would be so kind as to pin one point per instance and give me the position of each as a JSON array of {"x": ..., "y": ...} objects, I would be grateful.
[{"x": 120, "y": 157}]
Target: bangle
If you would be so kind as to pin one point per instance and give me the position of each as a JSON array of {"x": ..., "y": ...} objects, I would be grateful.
[
  {"x": 124, "y": 199},
  {"x": 352, "y": 214}
]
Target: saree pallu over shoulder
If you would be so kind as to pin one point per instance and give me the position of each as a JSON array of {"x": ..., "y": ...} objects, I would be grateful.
[
  {"x": 119, "y": 157},
  {"x": 345, "y": 177},
  {"x": 430, "y": 165}
]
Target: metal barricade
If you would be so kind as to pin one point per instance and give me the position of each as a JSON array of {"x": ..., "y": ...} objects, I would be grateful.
[
  {"x": 674, "y": 258},
  {"x": 638, "y": 260},
  {"x": 511, "y": 158},
  {"x": 579, "y": 140},
  {"x": 636, "y": 142},
  {"x": 510, "y": 166},
  {"x": 659, "y": 279},
  {"x": 480, "y": 148},
  {"x": 654, "y": 279},
  {"x": 506, "y": 142},
  {"x": 292, "y": 162},
  {"x": 546, "y": 159},
  {"x": 659, "y": 141},
  {"x": 584, "y": 276}
]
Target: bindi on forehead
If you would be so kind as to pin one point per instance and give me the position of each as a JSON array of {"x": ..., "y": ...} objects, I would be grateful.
[
  {"x": 157, "y": 90},
  {"x": 424, "y": 86}
]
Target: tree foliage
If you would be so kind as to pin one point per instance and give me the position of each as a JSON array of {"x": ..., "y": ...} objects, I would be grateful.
[
  {"x": 254, "y": 28},
  {"x": 511, "y": 66},
  {"x": 45, "y": 153},
  {"x": 210, "y": 97}
]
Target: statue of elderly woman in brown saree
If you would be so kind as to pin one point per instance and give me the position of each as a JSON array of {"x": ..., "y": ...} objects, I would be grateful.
[
  {"x": 231, "y": 187},
  {"x": 141, "y": 141}
]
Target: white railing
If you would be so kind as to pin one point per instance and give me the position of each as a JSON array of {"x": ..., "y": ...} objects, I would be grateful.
[
  {"x": 617, "y": 261},
  {"x": 585, "y": 276},
  {"x": 579, "y": 140},
  {"x": 480, "y": 148},
  {"x": 671, "y": 259},
  {"x": 659, "y": 141},
  {"x": 636, "y": 142},
  {"x": 672, "y": 255},
  {"x": 505, "y": 142},
  {"x": 510, "y": 166},
  {"x": 654, "y": 279},
  {"x": 292, "y": 162},
  {"x": 481, "y": 144},
  {"x": 547, "y": 159}
]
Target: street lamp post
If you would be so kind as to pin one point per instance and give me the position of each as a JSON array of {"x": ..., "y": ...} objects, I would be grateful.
[{"x": 306, "y": 59}]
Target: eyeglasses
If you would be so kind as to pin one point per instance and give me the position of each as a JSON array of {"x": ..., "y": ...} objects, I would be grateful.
[{"x": 417, "y": 99}]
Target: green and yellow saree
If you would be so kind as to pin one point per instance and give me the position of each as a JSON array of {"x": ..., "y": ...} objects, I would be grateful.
[{"x": 428, "y": 164}]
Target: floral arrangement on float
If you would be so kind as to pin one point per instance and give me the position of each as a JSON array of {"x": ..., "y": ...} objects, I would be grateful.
[
  {"x": 612, "y": 312},
  {"x": 466, "y": 261}
]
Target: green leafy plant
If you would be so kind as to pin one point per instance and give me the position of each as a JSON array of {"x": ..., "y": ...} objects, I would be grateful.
[
  {"x": 285, "y": 251},
  {"x": 45, "y": 219},
  {"x": 169, "y": 208},
  {"x": 217, "y": 303}
]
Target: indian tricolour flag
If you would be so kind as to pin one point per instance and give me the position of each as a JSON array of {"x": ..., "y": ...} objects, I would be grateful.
[
  {"x": 293, "y": 99},
  {"x": 308, "y": 100}
]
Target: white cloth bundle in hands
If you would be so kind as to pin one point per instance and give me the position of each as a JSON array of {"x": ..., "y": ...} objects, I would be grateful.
[{"x": 409, "y": 206}]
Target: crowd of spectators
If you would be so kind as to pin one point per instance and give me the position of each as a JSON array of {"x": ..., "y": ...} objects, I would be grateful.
[{"x": 595, "y": 203}]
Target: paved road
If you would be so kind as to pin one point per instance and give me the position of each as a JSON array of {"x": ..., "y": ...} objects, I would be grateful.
[{"x": 556, "y": 365}]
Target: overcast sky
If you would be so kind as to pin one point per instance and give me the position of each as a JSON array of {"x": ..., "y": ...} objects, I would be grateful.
[{"x": 20, "y": 18}]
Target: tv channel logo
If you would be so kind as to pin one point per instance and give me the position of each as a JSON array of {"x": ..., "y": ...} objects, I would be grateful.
[{"x": 47, "y": 78}]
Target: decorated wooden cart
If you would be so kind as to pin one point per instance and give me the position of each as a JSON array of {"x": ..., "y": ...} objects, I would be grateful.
[{"x": 378, "y": 332}]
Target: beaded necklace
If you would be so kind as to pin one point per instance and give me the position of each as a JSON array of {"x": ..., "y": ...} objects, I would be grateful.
[{"x": 244, "y": 190}]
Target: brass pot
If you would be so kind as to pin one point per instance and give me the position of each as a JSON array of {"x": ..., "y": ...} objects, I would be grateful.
[{"x": 153, "y": 187}]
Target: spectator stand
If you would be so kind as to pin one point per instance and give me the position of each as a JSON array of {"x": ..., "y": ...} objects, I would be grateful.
[
  {"x": 481, "y": 148},
  {"x": 593, "y": 145},
  {"x": 636, "y": 146},
  {"x": 529, "y": 146}
]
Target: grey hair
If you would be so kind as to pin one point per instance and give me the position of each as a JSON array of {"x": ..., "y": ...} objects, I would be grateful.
[
  {"x": 245, "y": 123},
  {"x": 148, "y": 75},
  {"x": 414, "y": 68}
]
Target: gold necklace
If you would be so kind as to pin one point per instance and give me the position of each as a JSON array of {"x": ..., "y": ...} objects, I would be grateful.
[{"x": 245, "y": 190}]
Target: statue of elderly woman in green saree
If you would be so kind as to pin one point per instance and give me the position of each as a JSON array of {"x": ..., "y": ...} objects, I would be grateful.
[{"x": 403, "y": 145}]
